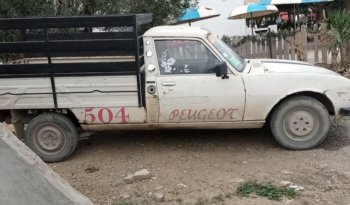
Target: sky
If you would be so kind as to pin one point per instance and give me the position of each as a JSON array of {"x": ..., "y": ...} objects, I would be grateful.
[{"x": 221, "y": 25}]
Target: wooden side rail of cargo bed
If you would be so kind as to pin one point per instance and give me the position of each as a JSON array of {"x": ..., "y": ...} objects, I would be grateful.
[{"x": 73, "y": 36}]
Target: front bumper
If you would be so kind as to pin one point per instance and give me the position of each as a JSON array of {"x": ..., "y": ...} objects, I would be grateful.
[{"x": 345, "y": 111}]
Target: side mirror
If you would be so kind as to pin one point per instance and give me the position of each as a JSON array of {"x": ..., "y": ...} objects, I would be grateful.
[{"x": 221, "y": 70}]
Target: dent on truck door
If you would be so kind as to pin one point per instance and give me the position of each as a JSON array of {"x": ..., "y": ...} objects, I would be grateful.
[{"x": 188, "y": 88}]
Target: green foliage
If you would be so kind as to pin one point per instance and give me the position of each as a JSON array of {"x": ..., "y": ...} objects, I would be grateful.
[
  {"x": 339, "y": 33},
  {"x": 122, "y": 203},
  {"x": 264, "y": 189},
  {"x": 164, "y": 10},
  {"x": 337, "y": 5},
  {"x": 339, "y": 21},
  {"x": 20, "y": 8}
]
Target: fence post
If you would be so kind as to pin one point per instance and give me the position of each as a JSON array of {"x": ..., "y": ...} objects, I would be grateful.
[
  {"x": 244, "y": 53},
  {"x": 259, "y": 49},
  {"x": 304, "y": 41},
  {"x": 239, "y": 50},
  {"x": 298, "y": 45},
  {"x": 324, "y": 52},
  {"x": 268, "y": 47},
  {"x": 254, "y": 48},
  {"x": 292, "y": 48},
  {"x": 286, "y": 48},
  {"x": 265, "y": 49},
  {"x": 248, "y": 48},
  {"x": 317, "y": 47},
  {"x": 334, "y": 55},
  {"x": 279, "y": 50},
  {"x": 324, "y": 43},
  {"x": 273, "y": 48},
  {"x": 316, "y": 43}
]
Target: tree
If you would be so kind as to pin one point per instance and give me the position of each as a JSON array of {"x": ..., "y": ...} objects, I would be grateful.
[
  {"x": 163, "y": 10},
  {"x": 348, "y": 46},
  {"x": 340, "y": 5},
  {"x": 339, "y": 22},
  {"x": 20, "y": 8},
  {"x": 337, "y": 5}
]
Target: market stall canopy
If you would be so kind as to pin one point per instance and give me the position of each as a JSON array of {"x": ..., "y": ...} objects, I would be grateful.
[
  {"x": 252, "y": 11},
  {"x": 280, "y": 2},
  {"x": 196, "y": 14},
  {"x": 294, "y": 2}
]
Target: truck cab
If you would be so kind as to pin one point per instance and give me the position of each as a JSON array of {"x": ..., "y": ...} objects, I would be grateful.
[{"x": 190, "y": 78}]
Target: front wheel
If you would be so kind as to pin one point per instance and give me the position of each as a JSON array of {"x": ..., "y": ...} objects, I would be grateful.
[
  {"x": 300, "y": 123},
  {"x": 53, "y": 137}
]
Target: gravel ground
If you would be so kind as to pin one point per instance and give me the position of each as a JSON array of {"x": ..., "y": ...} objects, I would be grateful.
[{"x": 205, "y": 167}]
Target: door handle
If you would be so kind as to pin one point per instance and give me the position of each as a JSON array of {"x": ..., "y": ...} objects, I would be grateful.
[{"x": 168, "y": 84}]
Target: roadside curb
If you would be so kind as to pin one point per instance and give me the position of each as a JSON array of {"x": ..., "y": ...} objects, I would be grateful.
[{"x": 35, "y": 166}]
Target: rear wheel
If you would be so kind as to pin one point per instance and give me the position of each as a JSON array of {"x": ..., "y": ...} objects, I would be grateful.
[
  {"x": 300, "y": 123},
  {"x": 53, "y": 137}
]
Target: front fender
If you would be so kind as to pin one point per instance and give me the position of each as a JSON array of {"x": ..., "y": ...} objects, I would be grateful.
[
  {"x": 265, "y": 92},
  {"x": 341, "y": 99}
]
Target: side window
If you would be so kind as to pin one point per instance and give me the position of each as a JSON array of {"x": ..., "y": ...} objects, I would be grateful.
[{"x": 184, "y": 57}]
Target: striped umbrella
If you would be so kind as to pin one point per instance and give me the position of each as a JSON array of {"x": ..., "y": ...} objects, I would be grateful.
[
  {"x": 195, "y": 14},
  {"x": 252, "y": 11}
]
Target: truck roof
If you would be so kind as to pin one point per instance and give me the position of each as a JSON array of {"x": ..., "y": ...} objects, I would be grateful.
[{"x": 176, "y": 31}]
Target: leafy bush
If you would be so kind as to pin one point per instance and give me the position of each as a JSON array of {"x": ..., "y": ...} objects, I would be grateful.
[{"x": 339, "y": 33}]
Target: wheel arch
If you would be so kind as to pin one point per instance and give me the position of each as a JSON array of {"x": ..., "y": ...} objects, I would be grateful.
[
  {"x": 73, "y": 118},
  {"x": 29, "y": 114},
  {"x": 322, "y": 98},
  {"x": 5, "y": 116}
]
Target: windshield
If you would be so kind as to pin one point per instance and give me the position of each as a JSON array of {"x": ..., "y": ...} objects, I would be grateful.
[{"x": 231, "y": 56}]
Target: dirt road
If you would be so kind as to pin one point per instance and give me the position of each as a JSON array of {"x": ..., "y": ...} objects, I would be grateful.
[{"x": 206, "y": 167}]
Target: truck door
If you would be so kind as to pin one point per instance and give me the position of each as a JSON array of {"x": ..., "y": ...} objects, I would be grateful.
[{"x": 188, "y": 88}]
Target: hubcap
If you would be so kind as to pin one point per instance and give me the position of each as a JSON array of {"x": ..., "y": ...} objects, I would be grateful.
[
  {"x": 299, "y": 124},
  {"x": 50, "y": 139}
]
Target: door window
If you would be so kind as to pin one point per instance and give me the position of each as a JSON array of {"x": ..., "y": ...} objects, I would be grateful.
[{"x": 184, "y": 57}]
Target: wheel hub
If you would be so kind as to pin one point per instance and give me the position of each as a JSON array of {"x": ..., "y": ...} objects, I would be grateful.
[
  {"x": 300, "y": 123},
  {"x": 50, "y": 138}
]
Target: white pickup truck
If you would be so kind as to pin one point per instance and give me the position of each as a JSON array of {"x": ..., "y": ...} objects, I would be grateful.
[{"x": 186, "y": 79}]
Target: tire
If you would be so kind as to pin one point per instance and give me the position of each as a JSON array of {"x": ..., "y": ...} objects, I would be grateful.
[
  {"x": 300, "y": 123},
  {"x": 53, "y": 137}
]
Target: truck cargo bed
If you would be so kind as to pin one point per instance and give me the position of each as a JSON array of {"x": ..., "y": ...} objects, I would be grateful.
[{"x": 73, "y": 68}]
